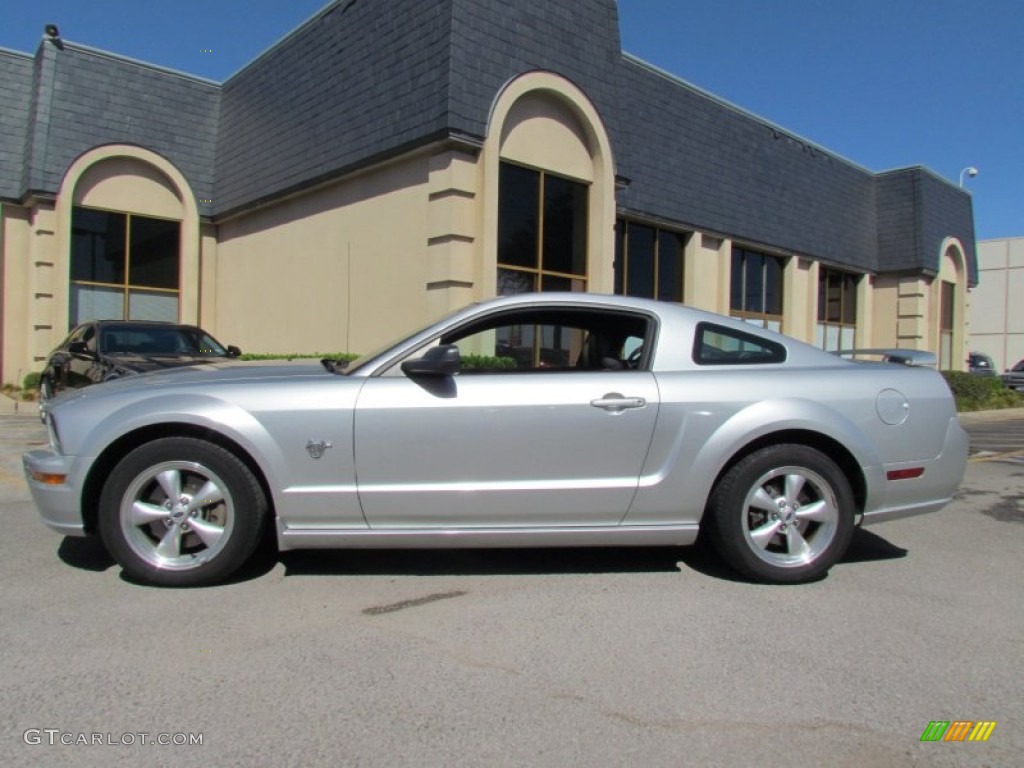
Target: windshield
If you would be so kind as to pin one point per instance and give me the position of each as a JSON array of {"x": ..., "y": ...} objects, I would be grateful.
[
  {"x": 383, "y": 351},
  {"x": 159, "y": 341}
]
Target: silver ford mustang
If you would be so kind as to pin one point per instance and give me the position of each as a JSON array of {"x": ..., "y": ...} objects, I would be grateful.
[{"x": 528, "y": 421}]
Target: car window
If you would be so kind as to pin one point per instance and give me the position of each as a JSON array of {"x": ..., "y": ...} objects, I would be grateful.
[
  {"x": 546, "y": 340},
  {"x": 720, "y": 345}
]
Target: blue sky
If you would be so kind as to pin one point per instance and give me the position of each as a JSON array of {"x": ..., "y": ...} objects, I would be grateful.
[{"x": 884, "y": 83}]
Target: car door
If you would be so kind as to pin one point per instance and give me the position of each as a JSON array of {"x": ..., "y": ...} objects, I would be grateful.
[{"x": 549, "y": 437}]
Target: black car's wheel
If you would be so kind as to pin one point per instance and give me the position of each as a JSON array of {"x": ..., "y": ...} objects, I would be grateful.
[
  {"x": 181, "y": 512},
  {"x": 45, "y": 393},
  {"x": 783, "y": 515}
]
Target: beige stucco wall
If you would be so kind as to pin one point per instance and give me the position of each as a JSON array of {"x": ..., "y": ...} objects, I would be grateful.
[
  {"x": 996, "y": 312},
  {"x": 15, "y": 277},
  {"x": 343, "y": 269},
  {"x": 800, "y": 297},
  {"x": 706, "y": 268},
  {"x": 31, "y": 284},
  {"x": 353, "y": 265}
]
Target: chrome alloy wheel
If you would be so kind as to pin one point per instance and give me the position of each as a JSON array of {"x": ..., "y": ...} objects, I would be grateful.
[
  {"x": 177, "y": 515},
  {"x": 790, "y": 516}
]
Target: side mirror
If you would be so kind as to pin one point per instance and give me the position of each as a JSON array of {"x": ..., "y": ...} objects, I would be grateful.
[
  {"x": 444, "y": 360},
  {"x": 81, "y": 349},
  {"x": 233, "y": 351}
]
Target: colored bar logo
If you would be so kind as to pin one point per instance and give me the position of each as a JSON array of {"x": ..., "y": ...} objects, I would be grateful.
[{"x": 958, "y": 730}]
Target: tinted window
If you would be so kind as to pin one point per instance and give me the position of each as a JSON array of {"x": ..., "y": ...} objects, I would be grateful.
[
  {"x": 552, "y": 340},
  {"x": 718, "y": 345}
]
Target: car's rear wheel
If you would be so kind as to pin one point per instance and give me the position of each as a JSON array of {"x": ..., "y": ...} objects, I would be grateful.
[
  {"x": 783, "y": 514},
  {"x": 181, "y": 512}
]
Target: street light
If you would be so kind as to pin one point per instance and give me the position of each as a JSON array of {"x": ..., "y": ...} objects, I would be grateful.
[{"x": 970, "y": 170}]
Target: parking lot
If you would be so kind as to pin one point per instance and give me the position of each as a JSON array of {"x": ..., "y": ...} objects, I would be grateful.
[{"x": 653, "y": 657}]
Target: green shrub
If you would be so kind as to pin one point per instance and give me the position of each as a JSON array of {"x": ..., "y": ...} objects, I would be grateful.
[
  {"x": 31, "y": 381},
  {"x": 487, "y": 362},
  {"x": 979, "y": 393}
]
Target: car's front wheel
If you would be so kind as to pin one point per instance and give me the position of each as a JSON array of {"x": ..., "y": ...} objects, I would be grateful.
[
  {"x": 181, "y": 512},
  {"x": 783, "y": 514},
  {"x": 45, "y": 394}
]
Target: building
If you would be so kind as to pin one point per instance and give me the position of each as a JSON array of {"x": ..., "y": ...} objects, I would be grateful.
[
  {"x": 997, "y": 312},
  {"x": 389, "y": 161}
]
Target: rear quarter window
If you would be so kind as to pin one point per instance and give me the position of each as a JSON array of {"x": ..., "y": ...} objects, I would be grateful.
[{"x": 719, "y": 345}]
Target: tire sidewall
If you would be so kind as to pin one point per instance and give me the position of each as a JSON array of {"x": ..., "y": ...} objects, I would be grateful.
[
  {"x": 249, "y": 509},
  {"x": 726, "y": 513}
]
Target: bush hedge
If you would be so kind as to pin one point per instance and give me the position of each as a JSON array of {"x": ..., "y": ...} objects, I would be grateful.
[{"x": 981, "y": 393}]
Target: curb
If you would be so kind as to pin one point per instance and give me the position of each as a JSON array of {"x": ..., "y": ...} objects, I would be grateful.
[{"x": 1001, "y": 414}]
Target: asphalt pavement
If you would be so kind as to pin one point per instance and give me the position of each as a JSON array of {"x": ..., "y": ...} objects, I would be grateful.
[{"x": 624, "y": 657}]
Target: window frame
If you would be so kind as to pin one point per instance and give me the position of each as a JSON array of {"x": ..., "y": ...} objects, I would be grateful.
[
  {"x": 777, "y": 352},
  {"x": 538, "y": 273},
  {"x": 126, "y": 287},
  {"x": 622, "y": 257},
  {"x": 589, "y": 318},
  {"x": 762, "y": 316},
  {"x": 847, "y": 279},
  {"x": 947, "y": 324}
]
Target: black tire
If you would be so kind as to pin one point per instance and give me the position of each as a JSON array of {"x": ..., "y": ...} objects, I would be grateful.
[
  {"x": 208, "y": 534},
  {"x": 45, "y": 394},
  {"x": 782, "y": 515}
]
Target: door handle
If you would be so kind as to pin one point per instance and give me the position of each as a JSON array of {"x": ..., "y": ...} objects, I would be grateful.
[{"x": 613, "y": 402}]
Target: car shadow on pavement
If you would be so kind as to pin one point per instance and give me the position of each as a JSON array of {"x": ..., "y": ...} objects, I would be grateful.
[
  {"x": 86, "y": 553},
  {"x": 89, "y": 554},
  {"x": 867, "y": 546},
  {"x": 482, "y": 562}
]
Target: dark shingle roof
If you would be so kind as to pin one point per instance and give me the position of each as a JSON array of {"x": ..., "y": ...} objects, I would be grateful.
[
  {"x": 694, "y": 159},
  {"x": 916, "y": 212},
  {"x": 16, "y": 78},
  {"x": 82, "y": 98},
  {"x": 363, "y": 80},
  {"x": 356, "y": 82},
  {"x": 494, "y": 41}
]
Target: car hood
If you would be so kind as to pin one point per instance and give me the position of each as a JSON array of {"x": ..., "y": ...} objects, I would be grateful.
[{"x": 146, "y": 363}]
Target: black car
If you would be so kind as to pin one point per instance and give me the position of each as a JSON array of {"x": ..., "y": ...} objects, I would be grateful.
[
  {"x": 980, "y": 364},
  {"x": 1014, "y": 377},
  {"x": 102, "y": 350}
]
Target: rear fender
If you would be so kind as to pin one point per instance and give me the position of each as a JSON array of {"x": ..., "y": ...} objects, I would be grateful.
[{"x": 679, "y": 488}]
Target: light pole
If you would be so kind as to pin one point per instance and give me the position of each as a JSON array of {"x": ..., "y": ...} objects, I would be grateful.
[{"x": 970, "y": 170}]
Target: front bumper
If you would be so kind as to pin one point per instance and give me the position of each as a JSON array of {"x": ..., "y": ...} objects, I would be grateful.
[{"x": 58, "y": 505}]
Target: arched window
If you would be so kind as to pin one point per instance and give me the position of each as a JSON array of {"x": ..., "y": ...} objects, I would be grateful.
[
  {"x": 124, "y": 266},
  {"x": 549, "y": 184},
  {"x": 127, "y": 239},
  {"x": 542, "y": 231}
]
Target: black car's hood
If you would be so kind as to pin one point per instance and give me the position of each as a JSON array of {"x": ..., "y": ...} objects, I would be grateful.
[{"x": 146, "y": 363}]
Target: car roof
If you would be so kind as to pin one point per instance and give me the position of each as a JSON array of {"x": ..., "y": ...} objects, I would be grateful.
[{"x": 138, "y": 323}]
